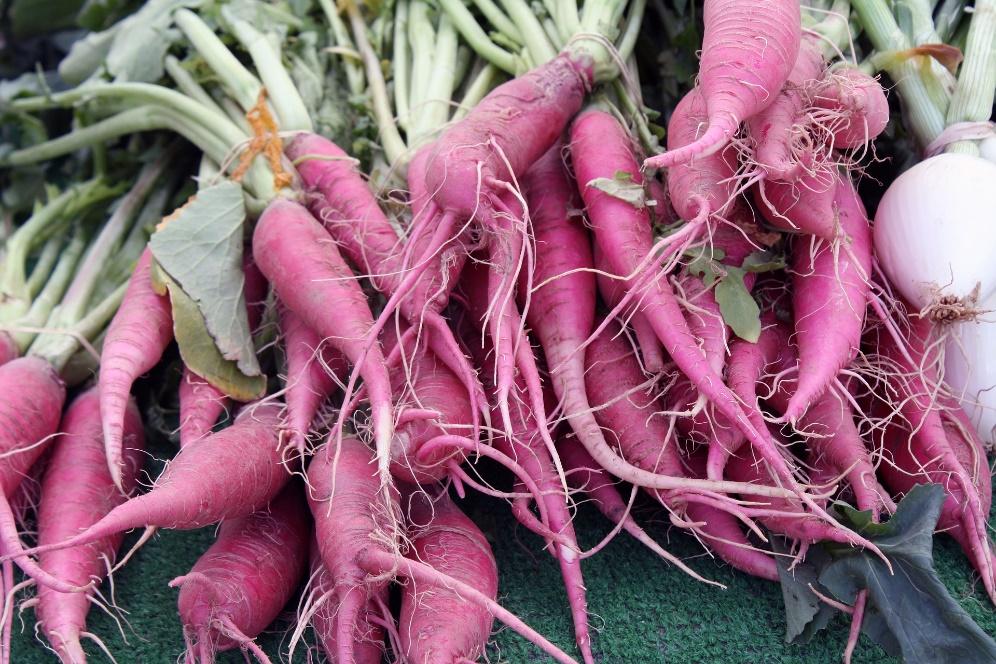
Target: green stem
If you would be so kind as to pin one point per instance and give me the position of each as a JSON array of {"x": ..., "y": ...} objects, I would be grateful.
[
  {"x": 422, "y": 36},
  {"x": 834, "y": 29},
  {"x": 568, "y": 16},
  {"x": 43, "y": 265},
  {"x": 42, "y": 306},
  {"x": 234, "y": 113},
  {"x": 924, "y": 118},
  {"x": 499, "y": 20},
  {"x": 141, "y": 93},
  {"x": 632, "y": 112},
  {"x": 138, "y": 119},
  {"x": 552, "y": 33},
  {"x": 632, "y": 30},
  {"x": 535, "y": 39},
  {"x": 58, "y": 347},
  {"x": 599, "y": 29},
  {"x": 103, "y": 247},
  {"x": 390, "y": 139},
  {"x": 400, "y": 64},
  {"x": 239, "y": 81},
  {"x": 947, "y": 18},
  {"x": 476, "y": 38},
  {"x": 281, "y": 91},
  {"x": 190, "y": 87},
  {"x": 973, "y": 96},
  {"x": 464, "y": 59},
  {"x": 923, "y": 22},
  {"x": 436, "y": 106},
  {"x": 14, "y": 292},
  {"x": 340, "y": 37},
  {"x": 478, "y": 88}
]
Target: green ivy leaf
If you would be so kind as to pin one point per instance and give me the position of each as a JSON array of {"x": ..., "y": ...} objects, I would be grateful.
[{"x": 200, "y": 249}]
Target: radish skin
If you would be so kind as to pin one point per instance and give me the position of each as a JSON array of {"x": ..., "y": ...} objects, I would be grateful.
[
  {"x": 774, "y": 129},
  {"x": 370, "y": 648},
  {"x": 724, "y": 536},
  {"x": 428, "y": 385},
  {"x": 8, "y": 348},
  {"x": 748, "y": 51},
  {"x": 829, "y": 296},
  {"x": 244, "y": 579},
  {"x": 706, "y": 185},
  {"x": 436, "y": 625},
  {"x": 314, "y": 370},
  {"x": 136, "y": 339},
  {"x": 346, "y": 502},
  {"x": 805, "y": 205},
  {"x": 857, "y": 104},
  {"x": 227, "y": 475},
  {"x": 76, "y": 492},
  {"x": 29, "y": 418},
  {"x": 301, "y": 261}
]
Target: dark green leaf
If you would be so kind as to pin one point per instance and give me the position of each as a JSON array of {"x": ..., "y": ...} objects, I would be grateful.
[
  {"x": 924, "y": 621},
  {"x": 805, "y": 613}
]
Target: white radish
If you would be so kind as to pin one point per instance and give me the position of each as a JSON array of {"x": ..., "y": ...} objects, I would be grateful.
[
  {"x": 987, "y": 148},
  {"x": 970, "y": 369},
  {"x": 935, "y": 235}
]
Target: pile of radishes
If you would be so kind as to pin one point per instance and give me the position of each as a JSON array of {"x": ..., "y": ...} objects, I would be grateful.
[{"x": 719, "y": 325}]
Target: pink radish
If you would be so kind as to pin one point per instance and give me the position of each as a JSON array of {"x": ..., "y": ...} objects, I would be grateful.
[
  {"x": 301, "y": 261},
  {"x": 722, "y": 534},
  {"x": 601, "y": 148},
  {"x": 806, "y": 205},
  {"x": 314, "y": 369},
  {"x": 748, "y": 51},
  {"x": 830, "y": 286},
  {"x": 8, "y": 348},
  {"x": 922, "y": 451},
  {"x": 427, "y": 384},
  {"x": 30, "y": 409},
  {"x": 342, "y": 201},
  {"x": 782, "y": 145},
  {"x": 76, "y": 492},
  {"x": 523, "y": 443},
  {"x": 706, "y": 186},
  {"x": 435, "y": 623},
  {"x": 226, "y": 475},
  {"x": 855, "y": 104},
  {"x": 369, "y": 648},
  {"x": 346, "y": 501},
  {"x": 242, "y": 582},
  {"x": 136, "y": 339},
  {"x": 612, "y": 292}
]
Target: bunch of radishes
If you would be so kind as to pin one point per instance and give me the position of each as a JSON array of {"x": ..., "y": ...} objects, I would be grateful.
[{"x": 531, "y": 298}]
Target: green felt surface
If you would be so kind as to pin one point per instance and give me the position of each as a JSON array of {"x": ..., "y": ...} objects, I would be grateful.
[{"x": 642, "y": 609}]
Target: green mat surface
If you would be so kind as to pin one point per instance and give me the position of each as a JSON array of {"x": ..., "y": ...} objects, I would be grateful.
[{"x": 642, "y": 609}]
